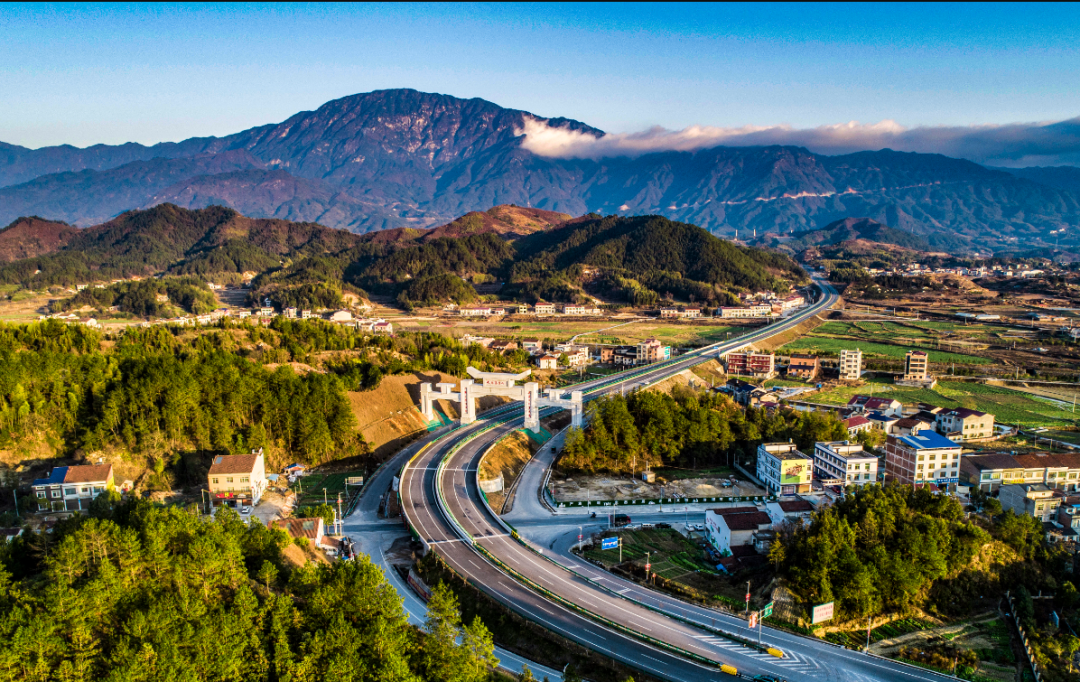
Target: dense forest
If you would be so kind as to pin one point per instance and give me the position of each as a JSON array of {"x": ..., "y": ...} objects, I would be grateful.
[
  {"x": 137, "y": 592},
  {"x": 686, "y": 429},
  {"x": 638, "y": 260},
  {"x": 168, "y": 390},
  {"x": 140, "y": 298}
]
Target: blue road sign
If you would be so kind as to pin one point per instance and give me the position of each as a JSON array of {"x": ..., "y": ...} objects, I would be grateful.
[{"x": 609, "y": 543}]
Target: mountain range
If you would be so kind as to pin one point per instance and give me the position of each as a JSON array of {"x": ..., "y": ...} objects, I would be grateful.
[{"x": 402, "y": 158}]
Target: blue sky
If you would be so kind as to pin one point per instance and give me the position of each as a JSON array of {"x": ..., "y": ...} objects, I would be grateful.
[{"x": 148, "y": 73}]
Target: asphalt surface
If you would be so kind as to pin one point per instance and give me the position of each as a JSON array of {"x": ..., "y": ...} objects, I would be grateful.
[{"x": 446, "y": 510}]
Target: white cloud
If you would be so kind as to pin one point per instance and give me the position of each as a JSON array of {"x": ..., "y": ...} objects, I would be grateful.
[{"x": 1015, "y": 144}]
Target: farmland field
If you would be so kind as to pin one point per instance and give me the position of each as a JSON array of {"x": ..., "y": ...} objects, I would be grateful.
[
  {"x": 832, "y": 347},
  {"x": 1007, "y": 406},
  {"x": 673, "y": 333}
]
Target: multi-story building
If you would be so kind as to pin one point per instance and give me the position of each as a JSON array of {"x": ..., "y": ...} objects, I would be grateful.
[
  {"x": 923, "y": 459},
  {"x": 803, "y": 366},
  {"x": 783, "y": 469},
  {"x": 72, "y": 488},
  {"x": 790, "y": 303},
  {"x": 1032, "y": 499},
  {"x": 237, "y": 480},
  {"x": 548, "y": 362},
  {"x": 916, "y": 365},
  {"x": 964, "y": 424},
  {"x": 841, "y": 462},
  {"x": 856, "y": 424},
  {"x": 306, "y": 314},
  {"x": 651, "y": 350},
  {"x": 750, "y": 363},
  {"x": 727, "y": 312},
  {"x": 573, "y": 310},
  {"x": 542, "y": 308},
  {"x": 850, "y": 364},
  {"x": 990, "y": 471},
  {"x": 910, "y": 426},
  {"x": 1068, "y": 515},
  {"x": 532, "y": 345}
]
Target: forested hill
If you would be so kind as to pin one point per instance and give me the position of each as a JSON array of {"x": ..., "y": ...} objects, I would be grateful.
[
  {"x": 167, "y": 237},
  {"x": 637, "y": 260},
  {"x": 859, "y": 228},
  {"x": 641, "y": 257}
]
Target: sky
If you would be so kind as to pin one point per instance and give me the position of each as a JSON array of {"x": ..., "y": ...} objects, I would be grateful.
[{"x": 90, "y": 74}]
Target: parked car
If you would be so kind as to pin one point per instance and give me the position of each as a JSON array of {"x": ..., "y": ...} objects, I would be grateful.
[
  {"x": 245, "y": 510},
  {"x": 663, "y": 525},
  {"x": 622, "y": 520}
]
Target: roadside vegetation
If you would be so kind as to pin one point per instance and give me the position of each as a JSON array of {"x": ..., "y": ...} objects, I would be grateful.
[
  {"x": 688, "y": 429},
  {"x": 137, "y": 592}
]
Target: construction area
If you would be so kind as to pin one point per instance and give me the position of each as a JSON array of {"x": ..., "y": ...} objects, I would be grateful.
[{"x": 611, "y": 487}]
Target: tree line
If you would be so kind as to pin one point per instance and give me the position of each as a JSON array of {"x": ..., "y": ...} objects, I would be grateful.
[
  {"x": 141, "y": 298},
  {"x": 685, "y": 429}
]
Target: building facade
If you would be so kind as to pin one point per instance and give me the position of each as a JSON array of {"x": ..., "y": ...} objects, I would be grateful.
[
  {"x": 991, "y": 471},
  {"x": 850, "y": 364},
  {"x": 916, "y": 365},
  {"x": 844, "y": 463},
  {"x": 72, "y": 488},
  {"x": 922, "y": 459},
  {"x": 1033, "y": 499},
  {"x": 803, "y": 366},
  {"x": 237, "y": 480},
  {"x": 783, "y": 469},
  {"x": 964, "y": 424},
  {"x": 749, "y": 363}
]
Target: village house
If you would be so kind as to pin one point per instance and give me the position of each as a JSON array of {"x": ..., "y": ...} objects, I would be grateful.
[
  {"x": 311, "y": 529},
  {"x": 867, "y": 403},
  {"x": 1032, "y": 499},
  {"x": 856, "y": 424},
  {"x": 803, "y": 366},
  {"x": 475, "y": 311},
  {"x": 547, "y": 361},
  {"x": 749, "y": 363},
  {"x": 729, "y": 312},
  {"x": 72, "y": 488},
  {"x": 850, "y": 366},
  {"x": 532, "y": 345},
  {"x": 962, "y": 424},
  {"x": 990, "y": 471},
  {"x": 797, "y": 510},
  {"x": 503, "y": 346},
  {"x": 734, "y": 527},
  {"x": 542, "y": 308},
  {"x": 237, "y": 480}
]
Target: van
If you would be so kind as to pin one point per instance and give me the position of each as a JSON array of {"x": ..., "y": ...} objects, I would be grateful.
[{"x": 622, "y": 520}]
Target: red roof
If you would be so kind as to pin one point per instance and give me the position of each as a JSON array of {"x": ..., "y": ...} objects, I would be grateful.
[
  {"x": 734, "y": 510},
  {"x": 749, "y": 521},
  {"x": 794, "y": 506},
  {"x": 857, "y": 420}
]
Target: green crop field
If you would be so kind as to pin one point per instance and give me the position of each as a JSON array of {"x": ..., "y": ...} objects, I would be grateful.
[
  {"x": 832, "y": 347},
  {"x": 312, "y": 487},
  {"x": 1007, "y": 406}
]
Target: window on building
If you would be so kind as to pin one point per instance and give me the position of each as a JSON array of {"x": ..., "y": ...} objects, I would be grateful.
[
  {"x": 244, "y": 479},
  {"x": 41, "y": 494},
  {"x": 214, "y": 481},
  {"x": 84, "y": 490},
  {"x": 228, "y": 479},
  {"x": 70, "y": 491},
  {"x": 56, "y": 493}
]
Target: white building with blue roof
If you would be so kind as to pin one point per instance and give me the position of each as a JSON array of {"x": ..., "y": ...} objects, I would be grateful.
[{"x": 926, "y": 458}]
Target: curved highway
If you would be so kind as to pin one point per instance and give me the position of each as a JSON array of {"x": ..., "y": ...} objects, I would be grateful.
[{"x": 656, "y": 633}]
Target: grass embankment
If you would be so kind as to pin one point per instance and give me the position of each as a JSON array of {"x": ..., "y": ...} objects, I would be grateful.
[
  {"x": 1007, "y": 406},
  {"x": 507, "y": 457}
]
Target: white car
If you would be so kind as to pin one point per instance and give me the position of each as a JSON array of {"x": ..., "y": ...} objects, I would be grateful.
[{"x": 245, "y": 510}]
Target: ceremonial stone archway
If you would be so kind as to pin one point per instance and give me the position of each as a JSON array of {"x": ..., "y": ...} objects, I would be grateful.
[{"x": 504, "y": 384}]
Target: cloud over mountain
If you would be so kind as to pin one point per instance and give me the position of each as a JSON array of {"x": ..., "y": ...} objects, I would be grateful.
[{"x": 1011, "y": 145}]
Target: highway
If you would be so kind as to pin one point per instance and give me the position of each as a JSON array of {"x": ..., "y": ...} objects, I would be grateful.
[{"x": 637, "y": 626}]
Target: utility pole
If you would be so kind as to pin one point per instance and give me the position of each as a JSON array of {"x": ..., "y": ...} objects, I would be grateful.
[
  {"x": 341, "y": 519},
  {"x": 324, "y": 496},
  {"x": 747, "y": 596},
  {"x": 16, "y": 495}
]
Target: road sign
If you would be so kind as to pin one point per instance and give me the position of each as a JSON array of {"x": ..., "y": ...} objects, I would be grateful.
[
  {"x": 753, "y": 620},
  {"x": 822, "y": 613},
  {"x": 767, "y": 611},
  {"x": 609, "y": 543}
]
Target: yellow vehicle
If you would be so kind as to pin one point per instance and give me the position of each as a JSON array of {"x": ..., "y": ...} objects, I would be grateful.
[{"x": 729, "y": 669}]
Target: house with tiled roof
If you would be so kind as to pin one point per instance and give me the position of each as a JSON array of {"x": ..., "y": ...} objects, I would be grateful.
[
  {"x": 237, "y": 480},
  {"x": 857, "y": 424},
  {"x": 725, "y": 528},
  {"x": 72, "y": 488},
  {"x": 869, "y": 403},
  {"x": 962, "y": 423}
]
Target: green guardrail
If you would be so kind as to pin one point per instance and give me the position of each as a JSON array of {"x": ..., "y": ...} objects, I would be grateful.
[{"x": 601, "y": 504}]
